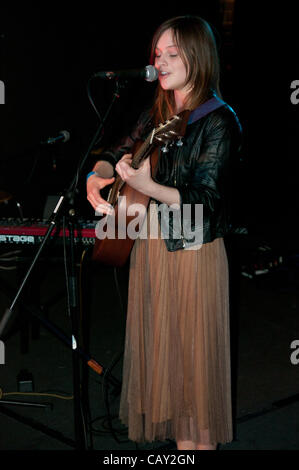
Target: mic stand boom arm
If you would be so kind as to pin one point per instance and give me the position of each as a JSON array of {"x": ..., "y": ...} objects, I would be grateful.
[{"x": 80, "y": 437}]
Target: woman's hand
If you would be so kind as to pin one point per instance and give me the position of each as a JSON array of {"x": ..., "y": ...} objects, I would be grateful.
[
  {"x": 139, "y": 179},
  {"x": 93, "y": 186}
]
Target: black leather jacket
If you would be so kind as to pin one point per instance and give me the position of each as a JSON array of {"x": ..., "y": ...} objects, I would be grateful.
[{"x": 202, "y": 170}]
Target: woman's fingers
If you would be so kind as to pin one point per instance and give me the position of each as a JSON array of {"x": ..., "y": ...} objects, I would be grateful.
[
  {"x": 104, "y": 208},
  {"x": 123, "y": 167},
  {"x": 105, "y": 181},
  {"x": 99, "y": 204},
  {"x": 126, "y": 156},
  {"x": 94, "y": 185}
]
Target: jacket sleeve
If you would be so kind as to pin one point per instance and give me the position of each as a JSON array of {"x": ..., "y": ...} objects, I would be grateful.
[
  {"x": 114, "y": 153},
  {"x": 211, "y": 169}
]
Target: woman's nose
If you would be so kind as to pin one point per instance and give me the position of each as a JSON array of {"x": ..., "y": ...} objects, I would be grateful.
[{"x": 160, "y": 60}]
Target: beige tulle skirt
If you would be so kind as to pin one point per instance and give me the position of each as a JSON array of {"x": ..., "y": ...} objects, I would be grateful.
[{"x": 176, "y": 372}]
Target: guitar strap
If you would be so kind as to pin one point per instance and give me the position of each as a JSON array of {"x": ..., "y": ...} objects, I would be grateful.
[
  {"x": 205, "y": 108},
  {"x": 202, "y": 110}
]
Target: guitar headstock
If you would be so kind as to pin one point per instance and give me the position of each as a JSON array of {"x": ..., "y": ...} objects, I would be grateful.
[{"x": 171, "y": 130}]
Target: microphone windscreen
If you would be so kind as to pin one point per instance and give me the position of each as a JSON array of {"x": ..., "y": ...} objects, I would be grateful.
[
  {"x": 66, "y": 135},
  {"x": 151, "y": 73}
]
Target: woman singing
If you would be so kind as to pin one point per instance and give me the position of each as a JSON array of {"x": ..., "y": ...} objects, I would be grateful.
[{"x": 176, "y": 372}]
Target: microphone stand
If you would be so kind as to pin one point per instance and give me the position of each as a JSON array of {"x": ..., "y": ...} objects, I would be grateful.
[{"x": 68, "y": 198}]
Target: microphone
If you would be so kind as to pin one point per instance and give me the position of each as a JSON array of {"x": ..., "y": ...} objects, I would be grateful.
[
  {"x": 63, "y": 136},
  {"x": 149, "y": 73}
]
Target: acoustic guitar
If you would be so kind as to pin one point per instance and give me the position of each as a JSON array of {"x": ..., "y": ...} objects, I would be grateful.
[{"x": 113, "y": 244}]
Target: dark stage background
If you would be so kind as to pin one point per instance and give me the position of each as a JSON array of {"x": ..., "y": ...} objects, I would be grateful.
[{"x": 49, "y": 51}]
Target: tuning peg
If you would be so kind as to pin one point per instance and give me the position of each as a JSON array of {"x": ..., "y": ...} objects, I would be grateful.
[
  {"x": 165, "y": 149},
  {"x": 179, "y": 142}
]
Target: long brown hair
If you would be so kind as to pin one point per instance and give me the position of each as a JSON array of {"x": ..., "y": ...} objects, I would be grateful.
[{"x": 197, "y": 46}]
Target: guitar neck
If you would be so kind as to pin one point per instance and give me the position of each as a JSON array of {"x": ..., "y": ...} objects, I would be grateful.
[
  {"x": 143, "y": 151},
  {"x": 172, "y": 129}
]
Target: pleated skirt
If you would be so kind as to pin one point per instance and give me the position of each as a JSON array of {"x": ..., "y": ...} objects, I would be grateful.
[{"x": 176, "y": 372}]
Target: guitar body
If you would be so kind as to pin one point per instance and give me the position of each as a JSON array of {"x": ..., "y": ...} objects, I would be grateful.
[
  {"x": 116, "y": 251},
  {"x": 115, "y": 235}
]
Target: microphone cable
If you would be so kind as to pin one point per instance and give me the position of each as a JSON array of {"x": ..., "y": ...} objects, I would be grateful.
[
  {"x": 91, "y": 99},
  {"x": 106, "y": 426},
  {"x": 74, "y": 185}
]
